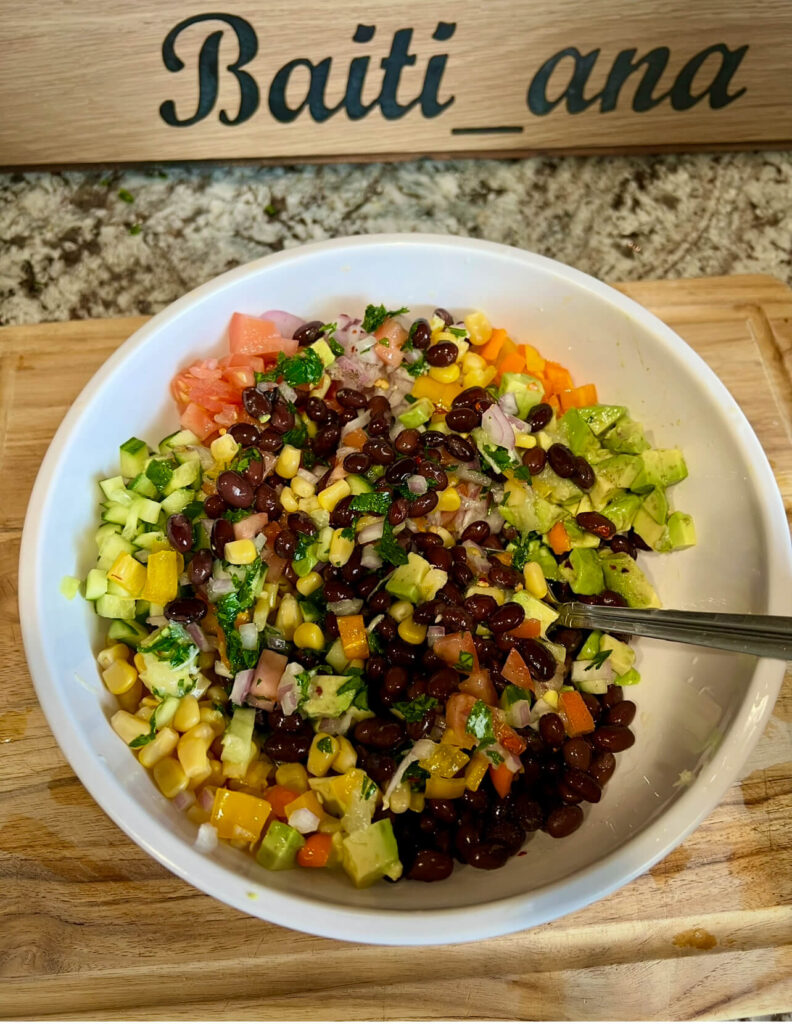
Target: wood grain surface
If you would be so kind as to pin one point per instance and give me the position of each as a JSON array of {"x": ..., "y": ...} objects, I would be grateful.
[
  {"x": 91, "y": 927},
  {"x": 82, "y": 86}
]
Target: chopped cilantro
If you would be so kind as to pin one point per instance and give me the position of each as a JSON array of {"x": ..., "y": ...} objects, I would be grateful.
[
  {"x": 376, "y": 316},
  {"x": 522, "y": 473},
  {"x": 330, "y": 328},
  {"x": 348, "y": 533},
  {"x": 135, "y": 229},
  {"x": 270, "y": 209},
  {"x": 414, "y": 710},
  {"x": 419, "y": 367},
  {"x": 458, "y": 332},
  {"x": 416, "y": 776},
  {"x": 598, "y": 660},
  {"x": 375, "y": 502},
  {"x": 520, "y": 552},
  {"x": 335, "y": 347},
  {"x": 125, "y": 197},
  {"x": 325, "y": 745},
  {"x": 499, "y": 457},
  {"x": 308, "y": 459},
  {"x": 303, "y": 680},
  {"x": 368, "y": 788},
  {"x": 228, "y": 608},
  {"x": 465, "y": 663},
  {"x": 236, "y": 515},
  {"x": 172, "y": 644},
  {"x": 514, "y": 693},
  {"x": 388, "y": 547},
  {"x": 376, "y": 646},
  {"x": 194, "y": 510},
  {"x": 146, "y": 738},
  {"x": 297, "y": 436},
  {"x": 479, "y": 724},
  {"x": 244, "y": 458},
  {"x": 305, "y": 367}
]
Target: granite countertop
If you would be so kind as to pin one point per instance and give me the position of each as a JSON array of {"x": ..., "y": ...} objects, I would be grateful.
[{"x": 112, "y": 243}]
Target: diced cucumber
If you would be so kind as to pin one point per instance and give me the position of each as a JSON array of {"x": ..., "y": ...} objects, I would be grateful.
[
  {"x": 164, "y": 712},
  {"x": 131, "y": 525},
  {"x": 180, "y": 439},
  {"x": 176, "y": 501},
  {"x": 590, "y": 647},
  {"x": 112, "y": 607},
  {"x": 155, "y": 540},
  {"x": 185, "y": 475},
  {"x": 95, "y": 584},
  {"x": 142, "y": 485},
  {"x": 106, "y": 531},
  {"x": 131, "y": 633},
  {"x": 238, "y": 736},
  {"x": 115, "y": 589},
  {"x": 142, "y": 610},
  {"x": 629, "y": 678},
  {"x": 358, "y": 484},
  {"x": 70, "y": 587},
  {"x": 115, "y": 491},
  {"x": 113, "y": 512},
  {"x": 159, "y": 471},
  {"x": 112, "y": 547},
  {"x": 134, "y": 454},
  {"x": 147, "y": 510},
  {"x": 187, "y": 455}
]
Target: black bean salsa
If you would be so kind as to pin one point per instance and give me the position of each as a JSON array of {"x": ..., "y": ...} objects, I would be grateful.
[{"x": 331, "y": 595}]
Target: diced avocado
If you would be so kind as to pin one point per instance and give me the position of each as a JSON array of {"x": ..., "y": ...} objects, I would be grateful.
[
  {"x": 361, "y": 802},
  {"x": 626, "y": 436},
  {"x": 538, "y": 552},
  {"x": 622, "y": 656},
  {"x": 239, "y": 735},
  {"x": 590, "y": 647},
  {"x": 335, "y": 656},
  {"x": 372, "y": 853},
  {"x": 134, "y": 454},
  {"x": 548, "y": 484},
  {"x": 661, "y": 467},
  {"x": 621, "y": 511},
  {"x": 325, "y": 700},
  {"x": 630, "y": 678},
  {"x": 620, "y": 470},
  {"x": 575, "y": 433},
  {"x": 279, "y": 847},
  {"x": 623, "y": 576},
  {"x": 579, "y": 538},
  {"x": 406, "y": 579},
  {"x": 142, "y": 485},
  {"x": 536, "y": 609},
  {"x": 603, "y": 491},
  {"x": 111, "y": 607},
  {"x": 358, "y": 484},
  {"x": 584, "y": 505},
  {"x": 418, "y": 413},
  {"x": 433, "y": 581},
  {"x": 323, "y": 350},
  {"x": 337, "y": 791},
  {"x": 680, "y": 532},
  {"x": 527, "y": 391},
  {"x": 601, "y": 417},
  {"x": 656, "y": 504},
  {"x": 528, "y": 512},
  {"x": 647, "y": 528},
  {"x": 585, "y": 575},
  {"x": 130, "y": 633},
  {"x": 95, "y": 584}
]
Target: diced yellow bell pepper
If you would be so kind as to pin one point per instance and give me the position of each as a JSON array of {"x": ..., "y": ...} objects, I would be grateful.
[
  {"x": 445, "y": 761},
  {"x": 308, "y": 801},
  {"x": 444, "y": 789},
  {"x": 352, "y": 630},
  {"x": 441, "y": 394},
  {"x": 128, "y": 573},
  {"x": 475, "y": 771},
  {"x": 238, "y": 815},
  {"x": 162, "y": 578}
]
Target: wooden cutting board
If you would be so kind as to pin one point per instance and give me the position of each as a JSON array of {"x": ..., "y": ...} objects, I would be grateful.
[{"x": 92, "y": 927}]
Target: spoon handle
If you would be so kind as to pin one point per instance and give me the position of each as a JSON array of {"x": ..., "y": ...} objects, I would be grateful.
[{"x": 766, "y": 636}]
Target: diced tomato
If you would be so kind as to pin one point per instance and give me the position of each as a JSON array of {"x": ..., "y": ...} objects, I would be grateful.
[
  {"x": 390, "y": 355},
  {"x": 504, "y": 733},
  {"x": 458, "y": 707},
  {"x": 240, "y": 376},
  {"x": 268, "y": 674},
  {"x": 393, "y": 331},
  {"x": 527, "y": 629},
  {"x": 228, "y": 416},
  {"x": 516, "y": 671},
  {"x": 198, "y": 420},
  {"x": 455, "y": 644},
  {"x": 254, "y": 337},
  {"x": 256, "y": 363},
  {"x": 480, "y": 686},
  {"x": 279, "y": 797}
]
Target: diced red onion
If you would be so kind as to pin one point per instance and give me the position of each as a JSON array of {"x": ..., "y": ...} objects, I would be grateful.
[
  {"x": 285, "y": 323},
  {"x": 498, "y": 427},
  {"x": 495, "y": 521},
  {"x": 371, "y": 533},
  {"x": 336, "y": 726},
  {"x": 261, "y": 703},
  {"x": 519, "y": 425},
  {"x": 248, "y": 634},
  {"x": 473, "y": 476},
  {"x": 218, "y": 588},
  {"x": 183, "y": 800},
  {"x": 417, "y": 484},
  {"x": 357, "y": 423},
  {"x": 412, "y": 356},
  {"x": 433, "y": 634},
  {"x": 206, "y": 797},
  {"x": 519, "y": 714},
  {"x": 308, "y": 475},
  {"x": 221, "y": 670},
  {"x": 477, "y": 561},
  {"x": 370, "y": 559},
  {"x": 354, "y": 371},
  {"x": 288, "y": 694},
  {"x": 287, "y": 391},
  {"x": 242, "y": 683},
  {"x": 349, "y": 606},
  {"x": 246, "y": 529},
  {"x": 198, "y": 637},
  {"x": 508, "y": 404},
  {"x": 206, "y": 840},
  {"x": 303, "y": 820}
]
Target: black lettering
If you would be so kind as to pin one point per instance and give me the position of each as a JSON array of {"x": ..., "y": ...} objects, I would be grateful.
[
  {"x": 314, "y": 98},
  {"x": 624, "y": 66},
  {"x": 539, "y": 104},
  {"x": 208, "y": 70},
  {"x": 358, "y": 69},
  {"x": 398, "y": 59},
  {"x": 682, "y": 97},
  {"x": 430, "y": 104}
]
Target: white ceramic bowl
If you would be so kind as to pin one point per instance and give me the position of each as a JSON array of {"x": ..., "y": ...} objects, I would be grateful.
[{"x": 699, "y": 711}]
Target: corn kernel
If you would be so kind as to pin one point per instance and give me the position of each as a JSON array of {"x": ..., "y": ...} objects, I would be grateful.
[
  {"x": 215, "y": 718},
  {"x": 400, "y": 610},
  {"x": 535, "y": 582},
  {"x": 400, "y": 798},
  {"x": 289, "y": 616},
  {"x": 164, "y": 743},
  {"x": 264, "y": 605},
  {"x": 411, "y": 631},
  {"x": 480, "y": 378},
  {"x": 445, "y": 374},
  {"x": 130, "y": 700},
  {"x": 309, "y": 635},
  {"x": 197, "y": 815},
  {"x": 322, "y": 754},
  {"x": 448, "y": 501},
  {"x": 192, "y": 750},
  {"x": 551, "y": 697},
  {"x": 341, "y": 549},
  {"x": 241, "y": 552},
  {"x": 169, "y": 776},
  {"x": 445, "y": 535},
  {"x": 293, "y": 777},
  {"x": 223, "y": 449},
  {"x": 116, "y": 652},
  {"x": 417, "y": 802},
  {"x": 488, "y": 591},
  {"x": 288, "y": 500},
  {"x": 523, "y": 440},
  {"x": 119, "y": 677},
  {"x": 216, "y": 693},
  {"x": 128, "y": 726},
  {"x": 330, "y": 496},
  {"x": 472, "y": 361},
  {"x": 479, "y": 328},
  {"x": 306, "y": 585},
  {"x": 288, "y": 462},
  {"x": 258, "y": 773},
  {"x": 218, "y": 775},
  {"x": 303, "y": 488},
  {"x": 187, "y": 714},
  {"x": 346, "y": 758},
  {"x": 321, "y": 388}
]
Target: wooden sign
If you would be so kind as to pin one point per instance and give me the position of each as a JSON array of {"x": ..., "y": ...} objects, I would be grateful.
[{"x": 87, "y": 82}]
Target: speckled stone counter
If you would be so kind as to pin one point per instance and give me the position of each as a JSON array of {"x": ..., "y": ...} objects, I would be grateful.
[{"x": 92, "y": 243}]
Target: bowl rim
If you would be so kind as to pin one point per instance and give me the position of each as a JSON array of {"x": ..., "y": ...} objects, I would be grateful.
[{"x": 446, "y": 925}]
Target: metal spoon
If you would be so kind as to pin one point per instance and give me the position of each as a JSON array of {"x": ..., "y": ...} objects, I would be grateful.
[{"x": 767, "y": 636}]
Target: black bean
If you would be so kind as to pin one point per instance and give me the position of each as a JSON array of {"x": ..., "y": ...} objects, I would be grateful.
[
  {"x": 534, "y": 459},
  {"x": 200, "y": 568},
  {"x": 396, "y": 680},
  {"x": 444, "y": 315},
  {"x": 399, "y": 470},
  {"x": 222, "y": 534},
  {"x": 407, "y": 441},
  {"x": 460, "y": 447},
  {"x": 301, "y": 522},
  {"x": 593, "y": 705},
  {"x": 379, "y": 425},
  {"x": 267, "y": 501},
  {"x": 429, "y": 471},
  {"x": 463, "y": 419},
  {"x": 602, "y": 767},
  {"x": 180, "y": 532},
  {"x": 561, "y": 460},
  {"x": 471, "y": 398},
  {"x": 613, "y": 695},
  {"x": 455, "y": 620},
  {"x": 442, "y": 684},
  {"x": 620, "y": 543},
  {"x": 551, "y": 729},
  {"x": 317, "y": 410},
  {"x": 245, "y": 434},
  {"x": 433, "y": 438},
  {"x": 541, "y": 663},
  {"x": 357, "y": 462},
  {"x": 563, "y": 821},
  {"x": 577, "y": 753},
  {"x": 185, "y": 610},
  {"x": 584, "y": 476},
  {"x": 451, "y": 594},
  {"x": 285, "y": 544},
  {"x": 424, "y": 541},
  {"x": 380, "y": 451},
  {"x": 442, "y": 354},
  {"x": 326, "y": 439},
  {"x": 622, "y": 713},
  {"x": 431, "y": 866},
  {"x": 351, "y": 398},
  {"x": 287, "y": 746},
  {"x": 488, "y": 855},
  {"x": 528, "y": 812},
  {"x": 503, "y": 575},
  {"x": 270, "y": 440},
  {"x": 282, "y": 419},
  {"x": 507, "y": 617},
  {"x": 382, "y": 733},
  {"x": 254, "y": 471},
  {"x": 467, "y": 836},
  {"x": 379, "y": 602},
  {"x": 477, "y": 531},
  {"x": 346, "y": 416},
  {"x": 308, "y": 333},
  {"x": 509, "y": 833},
  {"x": 214, "y": 506},
  {"x": 338, "y": 590},
  {"x": 421, "y": 334},
  {"x": 234, "y": 489},
  {"x": 583, "y": 784},
  {"x": 257, "y": 403},
  {"x": 613, "y": 738},
  {"x": 423, "y": 504},
  {"x": 539, "y": 416},
  {"x": 279, "y": 722}
]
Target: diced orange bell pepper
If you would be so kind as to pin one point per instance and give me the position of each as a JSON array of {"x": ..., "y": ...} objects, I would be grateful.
[
  {"x": 491, "y": 350},
  {"x": 558, "y": 375},
  {"x": 511, "y": 363},
  {"x": 558, "y": 539},
  {"x": 502, "y": 778},
  {"x": 527, "y": 629},
  {"x": 355, "y": 439},
  {"x": 238, "y": 815},
  {"x": 578, "y": 398},
  {"x": 574, "y": 713},
  {"x": 307, "y": 801},
  {"x": 316, "y": 852},
  {"x": 352, "y": 630},
  {"x": 279, "y": 797}
]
